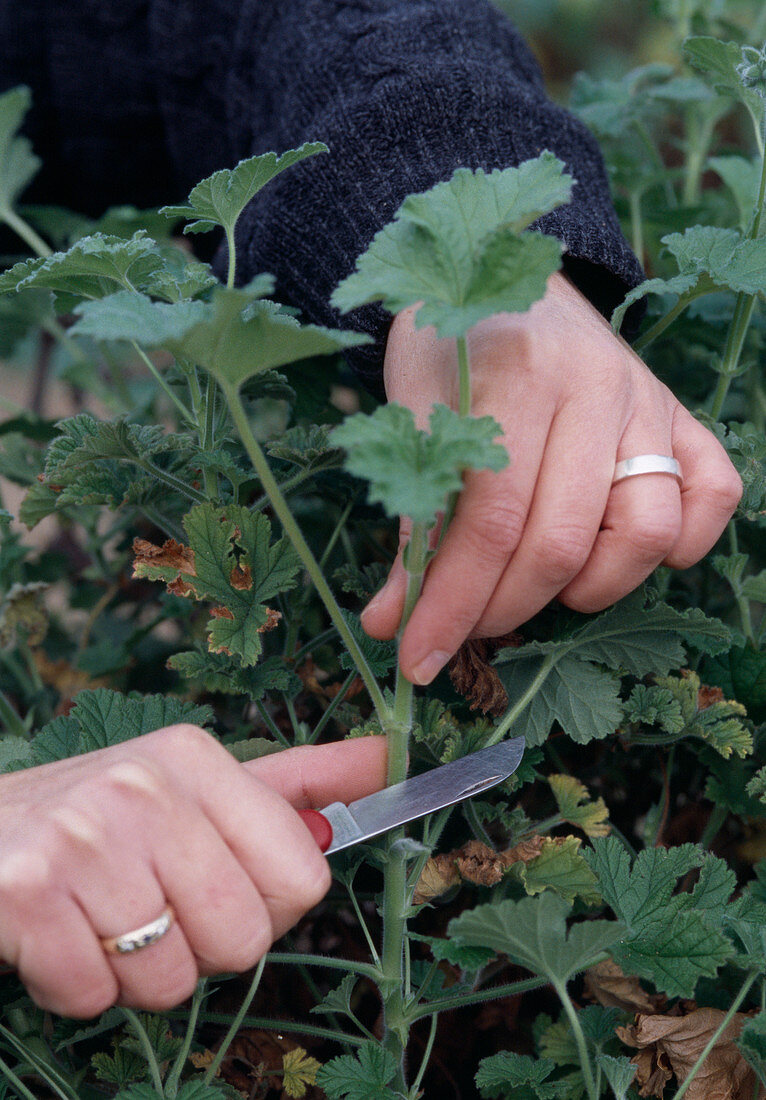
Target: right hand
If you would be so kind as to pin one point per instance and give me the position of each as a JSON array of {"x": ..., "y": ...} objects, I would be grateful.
[{"x": 97, "y": 845}]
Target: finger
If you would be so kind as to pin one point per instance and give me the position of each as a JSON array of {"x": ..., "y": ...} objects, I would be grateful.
[
  {"x": 563, "y": 523},
  {"x": 488, "y": 525},
  {"x": 710, "y": 492},
  {"x": 382, "y": 615},
  {"x": 112, "y": 876},
  {"x": 46, "y": 936},
  {"x": 312, "y": 776},
  {"x": 641, "y": 524}
]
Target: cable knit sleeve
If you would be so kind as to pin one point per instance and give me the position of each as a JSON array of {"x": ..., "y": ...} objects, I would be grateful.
[
  {"x": 402, "y": 92},
  {"x": 138, "y": 93}
]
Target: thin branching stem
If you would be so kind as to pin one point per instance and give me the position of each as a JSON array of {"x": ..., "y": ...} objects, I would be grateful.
[
  {"x": 146, "y": 1047},
  {"x": 173, "y": 1078},
  {"x": 236, "y": 1023}
]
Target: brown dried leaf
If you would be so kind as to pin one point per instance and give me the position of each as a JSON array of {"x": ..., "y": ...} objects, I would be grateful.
[
  {"x": 474, "y": 677},
  {"x": 437, "y": 877},
  {"x": 171, "y": 555},
  {"x": 272, "y": 619},
  {"x": 221, "y": 612},
  {"x": 673, "y": 1044},
  {"x": 707, "y": 695},
  {"x": 606, "y": 983},
  {"x": 479, "y": 864},
  {"x": 241, "y": 578},
  {"x": 524, "y": 852}
]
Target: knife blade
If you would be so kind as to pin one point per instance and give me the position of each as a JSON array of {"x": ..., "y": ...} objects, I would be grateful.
[{"x": 339, "y": 826}]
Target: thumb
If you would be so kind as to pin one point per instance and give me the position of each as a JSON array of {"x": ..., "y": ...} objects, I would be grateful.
[{"x": 312, "y": 776}]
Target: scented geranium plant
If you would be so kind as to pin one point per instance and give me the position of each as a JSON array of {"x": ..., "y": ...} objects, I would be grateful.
[{"x": 221, "y": 525}]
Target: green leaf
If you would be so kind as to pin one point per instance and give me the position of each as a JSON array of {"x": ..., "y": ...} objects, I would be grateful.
[
  {"x": 413, "y": 472},
  {"x": 582, "y": 698},
  {"x": 102, "y": 717},
  {"x": 752, "y": 1043},
  {"x": 231, "y": 562},
  {"x": 23, "y": 615},
  {"x": 18, "y": 164},
  {"x": 380, "y": 655},
  {"x": 128, "y": 315},
  {"x": 728, "y": 259},
  {"x": 242, "y": 335},
  {"x": 575, "y": 806},
  {"x": 741, "y": 674},
  {"x": 673, "y": 940},
  {"x": 561, "y": 867},
  {"x": 15, "y": 753},
  {"x": 719, "y": 62},
  {"x": 619, "y": 1072},
  {"x": 652, "y": 705},
  {"x": 217, "y": 672},
  {"x": 22, "y": 314},
  {"x": 309, "y": 447},
  {"x": 718, "y": 722},
  {"x": 120, "y": 1068},
  {"x": 742, "y": 177},
  {"x": 467, "y": 958},
  {"x": 460, "y": 249},
  {"x": 516, "y": 1075},
  {"x": 93, "y": 268},
  {"x": 220, "y": 199},
  {"x": 532, "y": 933},
  {"x": 338, "y": 999},
  {"x": 364, "y": 1075}
]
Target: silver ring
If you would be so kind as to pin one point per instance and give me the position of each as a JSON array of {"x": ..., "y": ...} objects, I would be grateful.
[
  {"x": 647, "y": 464},
  {"x": 141, "y": 937}
]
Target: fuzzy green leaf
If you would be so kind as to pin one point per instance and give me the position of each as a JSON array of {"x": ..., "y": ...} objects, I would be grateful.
[
  {"x": 575, "y": 806},
  {"x": 515, "y": 1075},
  {"x": 307, "y": 447},
  {"x": 127, "y": 315},
  {"x": 582, "y": 698},
  {"x": 338, "y": 999},
  {"x": 217, "y": 672},
  {"x": 364, "y": 1075},
  {"x": 230, "y": 562},
  {"x": 672, "y": 939},
  {"x": 619, "y": 1072},
  {"x": 220, "y": 199},
  {"x": 719, "y": 63},
  {"x": 561, "y": 867},
  {"x": 102, "y": 717},
  {"x": 242, "y": 335},
  {"x": 412, "y": 472},
  {"x": 93, "y": 268},
  {"x": 752, "y": 1043},
  {"x": 532, "y": 933},
  {"x": 742, "y": 177},
  {"x": 459, "y": 248},
  {"x": 380, "y": 655},
  {"x": 467, "y": 958},
  {"x": 18, "y": 164}
]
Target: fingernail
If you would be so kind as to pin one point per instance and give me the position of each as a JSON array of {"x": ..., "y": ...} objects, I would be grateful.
[{"x": 424, "y": 672}]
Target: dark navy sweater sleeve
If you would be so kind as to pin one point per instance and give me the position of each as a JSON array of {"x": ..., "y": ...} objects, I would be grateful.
[{"x": 138, "y": 100}]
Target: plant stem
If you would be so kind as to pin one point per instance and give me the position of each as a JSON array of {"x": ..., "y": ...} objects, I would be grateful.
[
  {"x": 743, "y": 603},
  {"x": 232, "y": 256},
  {"x": 464, "y": 376},
  {"x": 582, "y": 1049},
  {"x": 659, "y": 327},
  {"x": 714, "y": 826},
  {"x": 185, "y": 413},
  {"x": 169, "y": 479},
  {"x": 26, "y": 232},
  {"x": 333, "y": 706},
  {"x": 716, "y": 1035},
  {"x": 461, "y": 1000},
  {"x": 21, "y": 1088},
  {"x": 293, "y": 532},
  {"x": 146, "y": 1047},
  {"x": 426, "y": 1056},
  {"x": 513, "y": 712},
  {"x": 298, "y": 958},
  {"x": 207, "y": 439},
  {"x": 266, "y": 1023},
  {"x": 271, "y": 725},
  {"x": 236, "y": 1023},
  {"x": 363, "y": 925},
  {"x": 392, "y": 985},
  {"x": 174, "y": 1076}
]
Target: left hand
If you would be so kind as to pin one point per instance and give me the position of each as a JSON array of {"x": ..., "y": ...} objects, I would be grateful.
[{"x": 572, "y": 399}]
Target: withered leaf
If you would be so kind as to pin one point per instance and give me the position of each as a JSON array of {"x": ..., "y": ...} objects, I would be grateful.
[
  {"x": 241, "y": 578},
  {"x": 437, "y": 877},
  {"x": 479, "y": 864},
  {"x": 171, "y": 555},
  {"x": 474, "y": 677},
  {"x": 611, "y": 987},
  {"x": 670, "y": 1045}
]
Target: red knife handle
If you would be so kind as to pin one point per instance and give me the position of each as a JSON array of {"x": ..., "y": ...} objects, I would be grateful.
[{"x": 319, "y": 827}]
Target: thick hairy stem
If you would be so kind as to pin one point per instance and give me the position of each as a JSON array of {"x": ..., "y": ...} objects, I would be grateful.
[
  {"x": 293, "y": 532},
  {"x": 392, "y": 985}
]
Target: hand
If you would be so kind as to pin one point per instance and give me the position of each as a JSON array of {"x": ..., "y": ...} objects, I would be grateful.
[
  {"x": 572, "y": 399},
  {"x": 98, "y": 845}
]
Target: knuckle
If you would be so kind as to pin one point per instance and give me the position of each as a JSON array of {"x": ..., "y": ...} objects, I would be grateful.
[
  {"x": 563, "y": 551},
  {"x": 88, "y": 1000},
  {"x": 651, "y": 537},
  {"x": 496, "y": 527},
  {"x": 27, "y": 873},
  {"x": 184, "y": 736},
  {"x": 309, "y": 882},
  {"x": 132, "y": 777},
  {"x": 169, "y": 989},
  {"x": 724, "y": 491}
]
